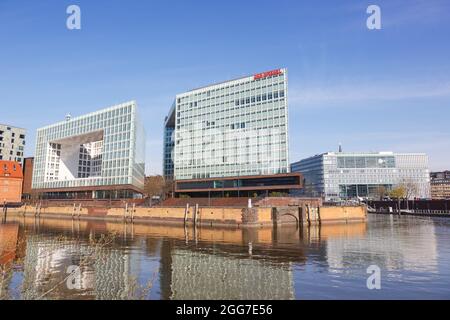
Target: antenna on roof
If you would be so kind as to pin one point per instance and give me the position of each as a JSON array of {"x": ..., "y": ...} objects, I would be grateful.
[
  {"x": 340, "y": 147},
  {"x": 68, "y": 117}
]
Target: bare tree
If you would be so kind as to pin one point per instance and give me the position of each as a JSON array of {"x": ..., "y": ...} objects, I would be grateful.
[
  {"x": 381, "y": 192},
  {"x": 411, "y": 188},
  {"x": 154, "y": 186}
]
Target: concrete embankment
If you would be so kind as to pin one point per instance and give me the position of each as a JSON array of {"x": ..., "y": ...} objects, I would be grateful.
[{"x": 209, "y": 216}]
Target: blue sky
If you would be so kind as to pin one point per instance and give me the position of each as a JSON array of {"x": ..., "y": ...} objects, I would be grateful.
[{"x": 376, "y": 90}]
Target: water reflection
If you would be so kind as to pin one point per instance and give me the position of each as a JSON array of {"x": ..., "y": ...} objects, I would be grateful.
[
  {"x": 138, "y": 261},
  {"x": 412, "y": 247}
]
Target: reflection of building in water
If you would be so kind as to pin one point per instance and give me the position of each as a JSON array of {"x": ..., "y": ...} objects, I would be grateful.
[
  {"x": 104, "y": 275},
  {"x": 197, "y": 275},
  {"x": 410, "y": 247},
  {"x": 8, "y": 241}
]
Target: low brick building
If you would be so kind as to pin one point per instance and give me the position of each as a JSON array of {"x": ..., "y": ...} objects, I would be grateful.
[
  {"x": 11, "y": 179},
  {"x": 27, "y": 178}
]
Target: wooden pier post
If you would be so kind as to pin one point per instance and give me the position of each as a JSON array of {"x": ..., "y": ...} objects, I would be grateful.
[
  {"x": 186, "y": 212},
  {"x": 308, "y": 214},
  {"x": 195, "y": 214},
  {"x": 318, "y": 216}
]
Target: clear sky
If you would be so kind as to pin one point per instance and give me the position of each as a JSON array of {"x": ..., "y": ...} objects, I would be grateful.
[{"x": 372, "y": 90}]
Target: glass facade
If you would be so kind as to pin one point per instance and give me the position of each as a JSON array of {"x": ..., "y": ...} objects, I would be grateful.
[
  {"x": 352, "y": 175},
  {"x": 238, "y": 183},
  {"x": 103, "y": 148},
  {"x": 234, "y": 128}
]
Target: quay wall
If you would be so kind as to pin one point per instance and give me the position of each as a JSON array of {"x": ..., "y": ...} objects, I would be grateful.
[
  {"x": 310, "y": 215},
  {"x": 208, "y": 216}
]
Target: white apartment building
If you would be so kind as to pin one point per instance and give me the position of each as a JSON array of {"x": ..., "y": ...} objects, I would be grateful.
[{"x": 12, "y": 143}]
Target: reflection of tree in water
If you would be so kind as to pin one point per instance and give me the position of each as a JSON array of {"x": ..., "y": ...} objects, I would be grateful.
[{"x": 104, "y": 269}]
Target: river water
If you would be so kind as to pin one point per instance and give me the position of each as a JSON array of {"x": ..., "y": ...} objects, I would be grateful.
[{"x": 64, "y": 259}]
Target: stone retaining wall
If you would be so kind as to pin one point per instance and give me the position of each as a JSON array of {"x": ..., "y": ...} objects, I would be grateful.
[{"x": 212, "y": 216}]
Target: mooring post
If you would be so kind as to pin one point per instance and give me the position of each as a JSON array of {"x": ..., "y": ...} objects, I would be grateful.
[
  {"x": 308, "y": 215},
  {"x": 186, "y": 212},
  {"x": 318, "y": 215},
  {"x": 195, "y": 214}
]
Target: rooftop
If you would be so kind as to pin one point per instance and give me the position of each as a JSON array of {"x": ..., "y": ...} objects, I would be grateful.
[
  {"x": 283, "y": 71},
  {"x": 131, "y": 102},
  {"x": 8, "y": 125},
  {"x": 10, "y": 169}
]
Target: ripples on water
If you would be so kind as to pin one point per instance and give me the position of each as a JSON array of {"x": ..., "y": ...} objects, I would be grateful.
[{"x": 124, "y": 261}]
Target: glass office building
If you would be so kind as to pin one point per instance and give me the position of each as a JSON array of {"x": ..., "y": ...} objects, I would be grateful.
[
  {"x": 233, "y": 128},
  {"x": 339, "y": 175},
  {"x": 99, "y": 155}
]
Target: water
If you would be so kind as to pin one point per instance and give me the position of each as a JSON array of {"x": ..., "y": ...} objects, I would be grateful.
[{"x": 125, "y": 261}]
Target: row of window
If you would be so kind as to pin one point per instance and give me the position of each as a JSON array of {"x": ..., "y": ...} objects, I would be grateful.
[{"x": 233, "y": 87}]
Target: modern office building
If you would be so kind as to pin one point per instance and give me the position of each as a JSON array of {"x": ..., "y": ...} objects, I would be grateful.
[
  {"x": 440, "y": 185},
  {"x": 231, "y": 129},
  {"x": 96, "y": 156},
  {"x": 12, "y": 143},
  {"x": 339, "y": 175}
]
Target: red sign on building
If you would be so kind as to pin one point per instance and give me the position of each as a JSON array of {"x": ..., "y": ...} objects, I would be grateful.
[{"x": 267, "y": 74}]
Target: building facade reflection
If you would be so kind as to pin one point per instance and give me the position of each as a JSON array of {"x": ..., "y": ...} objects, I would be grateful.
[{"x": 208, "y": 263}]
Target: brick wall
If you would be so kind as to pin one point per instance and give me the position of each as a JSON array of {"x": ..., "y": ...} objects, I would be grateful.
[{"x": 10, "y": 190}]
